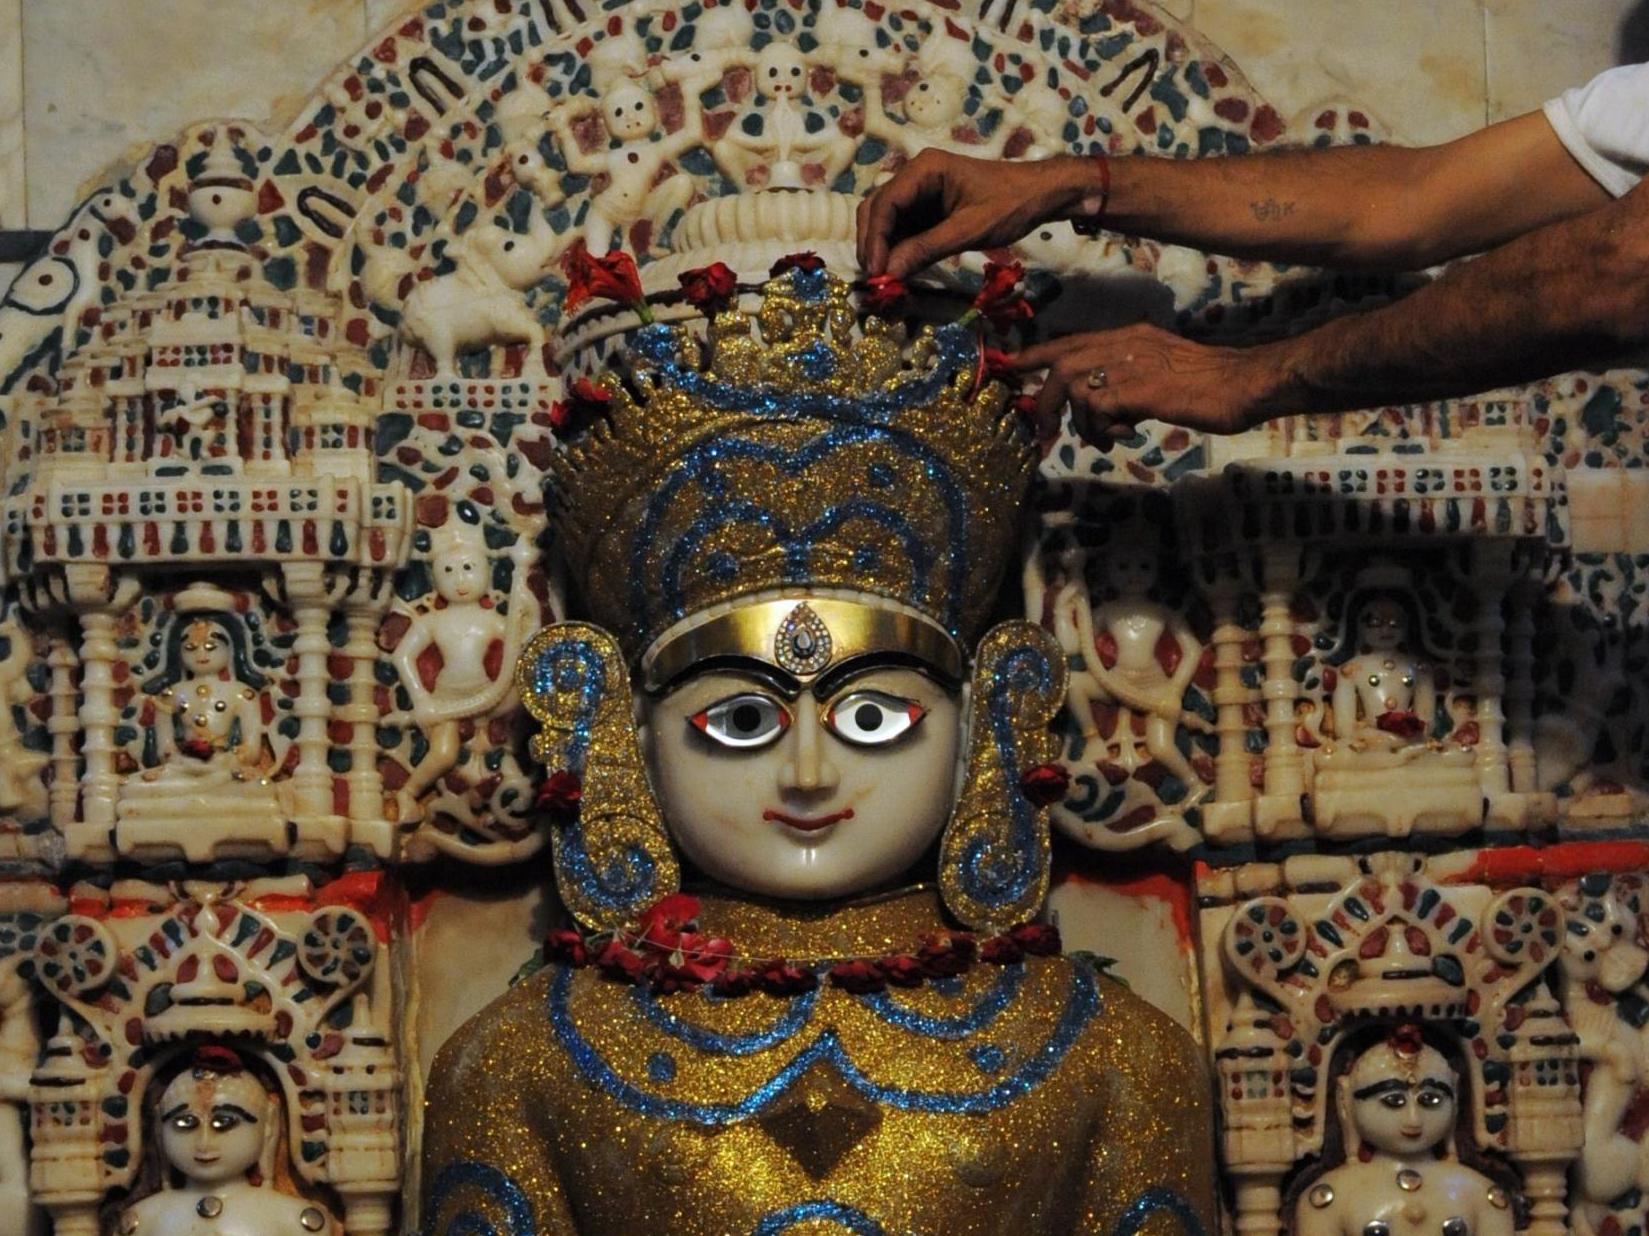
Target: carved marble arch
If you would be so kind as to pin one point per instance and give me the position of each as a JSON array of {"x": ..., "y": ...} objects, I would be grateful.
[
  {"x": 1304, "y": 955},
  {"x": 278, "y": 969}
]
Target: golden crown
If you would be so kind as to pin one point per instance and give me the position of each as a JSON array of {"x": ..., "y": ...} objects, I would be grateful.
[{"x": 793, "y": 446}]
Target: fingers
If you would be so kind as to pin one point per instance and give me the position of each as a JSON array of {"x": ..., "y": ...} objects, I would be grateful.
[
  {"x": 879, "y": 215},
  {"x": 1042, "y": 355},
  {"x": 953, "y": 235}
]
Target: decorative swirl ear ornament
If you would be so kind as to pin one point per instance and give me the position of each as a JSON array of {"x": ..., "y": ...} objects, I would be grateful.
[
  {"x": 612, "y": 855},
  {"x": 993, "y": 862}
]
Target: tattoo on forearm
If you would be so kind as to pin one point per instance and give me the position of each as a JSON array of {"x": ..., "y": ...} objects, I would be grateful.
[{"x": 1271, "y": 210}]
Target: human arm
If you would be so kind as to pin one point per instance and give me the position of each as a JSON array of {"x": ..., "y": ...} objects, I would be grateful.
[
  {"x": 1360, "y": 207},
  {"x": 1569, "y": 295}
]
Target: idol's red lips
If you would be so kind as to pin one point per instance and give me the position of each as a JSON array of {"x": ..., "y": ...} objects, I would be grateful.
[{"x": 808, "y": 824}]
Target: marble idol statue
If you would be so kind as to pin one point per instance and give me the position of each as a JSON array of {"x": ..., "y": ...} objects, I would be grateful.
[{"x": 798, "y": 796}]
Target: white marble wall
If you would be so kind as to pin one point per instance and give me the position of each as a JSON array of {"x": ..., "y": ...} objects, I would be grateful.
[{"x": 84, "y": 82}]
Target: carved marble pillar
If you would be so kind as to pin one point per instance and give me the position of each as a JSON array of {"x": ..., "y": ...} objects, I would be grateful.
[
  {"x": 1231, "y": 813},
  {"x": 1279, "y": 814},
  {"x": 1491, "y": 573},
  {"x": 99, "y": 598},
  {"x": 366, "y": 784},
  {"x": 63, "y": 725},
  {"x": 312, "y": 778}
]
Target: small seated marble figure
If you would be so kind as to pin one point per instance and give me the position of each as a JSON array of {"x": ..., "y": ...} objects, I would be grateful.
[
  {"x": 215, "y": 728},
  {"x": 218, "y": 1132},
  {"x": 211, "y": 784},
  {"x": 825, "y": 1036},
  {"x": 1386, "y": 697},
  {"x": 1397, "y": 1105}
]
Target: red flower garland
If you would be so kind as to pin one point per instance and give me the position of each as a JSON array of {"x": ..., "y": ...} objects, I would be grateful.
[
  {"x": 669, "y": 954},
  {"x": 884, "y": 294}
]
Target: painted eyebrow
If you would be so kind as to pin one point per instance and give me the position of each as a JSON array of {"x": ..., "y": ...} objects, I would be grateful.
[
  {"x": 237, "y": 1109},
  {"x": 1396, "y": 1085},
  {"x": 763, "y": 672},
  {"x": 839, "y": 676},
  {"x": 181, "y": 1107}
]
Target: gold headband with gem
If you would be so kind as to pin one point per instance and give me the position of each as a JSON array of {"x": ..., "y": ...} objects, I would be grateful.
[{"x": 804, "y": 639}]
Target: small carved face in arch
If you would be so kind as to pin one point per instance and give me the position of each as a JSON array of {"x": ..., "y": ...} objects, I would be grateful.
[
  {"x": 205, "y": 648},
  {"x": 1402, "y": 1103},
  {"x": 629, "y": 112},
  {"x": 780, "y": 72},
  {"x": 460, "y": 571},
  {"x": 1131, "y": 565},
  {"x": 788, "y": 794},
  {"x": 936, "y": 102},
  {"x": 1382, "y": 624},
  {"x": 214, "y": 1126}
]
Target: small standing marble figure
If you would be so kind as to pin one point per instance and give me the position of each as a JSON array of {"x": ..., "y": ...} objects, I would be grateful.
[
  {"x": 1401, "y": 1177},
  {"x": 219, "y": 1132}
]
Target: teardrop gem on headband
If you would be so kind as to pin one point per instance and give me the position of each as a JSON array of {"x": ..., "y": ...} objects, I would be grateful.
[{"x": 802, "y": 644}]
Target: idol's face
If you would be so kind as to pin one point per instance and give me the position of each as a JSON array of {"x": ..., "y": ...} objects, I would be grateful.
[
  {"x": 1383, "y": 625},
  {"x": 212, "y": 1127},
  {"x": 1402, "y": 1107},
  {"x": 205, "y": 649},
  {"x": 821, "y": 792}
]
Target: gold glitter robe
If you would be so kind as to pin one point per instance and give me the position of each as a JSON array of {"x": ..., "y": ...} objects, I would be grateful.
[{"x": 1032, "y": 1098}]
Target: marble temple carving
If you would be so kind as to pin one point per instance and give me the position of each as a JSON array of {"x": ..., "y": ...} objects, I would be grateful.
[{"x": 286, "y": 417}]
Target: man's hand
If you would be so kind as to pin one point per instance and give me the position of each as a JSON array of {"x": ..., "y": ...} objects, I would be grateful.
[
  {"x": 1115, "y": 379},
  {"x": 941, "y": 203}
]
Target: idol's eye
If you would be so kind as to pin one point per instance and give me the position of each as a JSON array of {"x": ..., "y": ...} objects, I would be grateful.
[
  {"x": 743, "y": 721},
  {"x": 188, "y": 1122},
  {"x": 871, "y": 718},
  {"x": 1431, "y": 1098},
  {"x": 1395, "y": 1099},
  {"x": 223, "y": 1120}
]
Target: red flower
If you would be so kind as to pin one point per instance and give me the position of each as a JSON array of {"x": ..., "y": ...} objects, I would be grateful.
[
  {"x": 946, "y": 954},
  {"x": 1002, "y": 280},
  {"x": 1044, "y": 784},
  {"x": 999, "y": 298},
  {"x": 566, "y": 946},
  {"x": 620, "y": 962},
  {"x": 734, "y": 983},
  {"x": 807, "y": 262},
  {"x": 1001, "y": 951},
  {"x": 709, "y": 288},
  {"x": 859, "y": 977},
  {"x": 784, "y": 978},
  {"x": 667, "y": 920},
  {"x": 561, "y": 793},
  {"x": 884, "y": 293},
  {"x": 585, "y": 402},
  {"x": 197, "y": 747},
  {"x": 220, "y": 1060},
  {"x": 699, "y": 958},
  {"x": 613, "y": 277},
  {"x": 1037, "y": 939},
  {"x": 1401, "y": 723},
  {"x": 999, "y": 367},
  {"x": 1406, "y": 1040},
  {"x": 903, "y": 970}
]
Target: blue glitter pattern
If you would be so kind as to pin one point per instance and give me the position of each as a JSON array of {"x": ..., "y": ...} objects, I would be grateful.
[
  {"x": 957, "y": 350},
  {"x": 628, "y": 883},
  {"x": 993, "y": 874},
  {"x": 496, "y": 1186},
  {"x": 796, "y": 1016},
  {"x": 1155, "y": 1199},
  {"x": 698, "y": 469},
  {"x": 964, "y": 1026},
  {"x": 1082, "y": 1003},
  {"x": 851, "y": 1218}
]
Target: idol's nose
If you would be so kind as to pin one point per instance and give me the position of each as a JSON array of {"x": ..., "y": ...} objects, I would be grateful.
[{"x": 807, "y": 768}]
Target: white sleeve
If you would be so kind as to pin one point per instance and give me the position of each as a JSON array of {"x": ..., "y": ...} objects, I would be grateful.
[{"x": 1605, "y": 125}]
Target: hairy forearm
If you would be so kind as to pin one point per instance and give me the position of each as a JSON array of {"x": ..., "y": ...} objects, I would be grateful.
[
  {"x": 1571, "y": 295},
  {"x": 1319, "y": 207}
]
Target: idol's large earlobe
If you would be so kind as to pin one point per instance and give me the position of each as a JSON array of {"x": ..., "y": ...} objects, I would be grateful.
[
  {"x": 993, "y": 863},
  {"x": 612, "y": 855}
]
